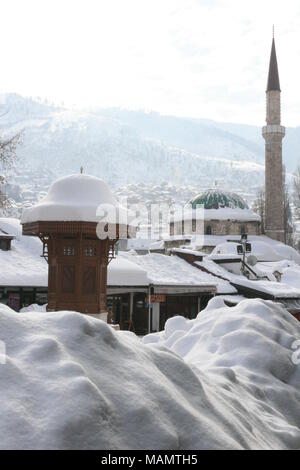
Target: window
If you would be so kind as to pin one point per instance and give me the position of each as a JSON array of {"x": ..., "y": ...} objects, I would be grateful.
[
  {"x": 243, "y": 229},
  {"x": 69, "y": 251},
  {"x": 90, "y": 251},
  {"x": 208, "y": 230}
]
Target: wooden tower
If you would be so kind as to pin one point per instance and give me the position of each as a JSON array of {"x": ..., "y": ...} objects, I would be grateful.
[{"x": 76, "y": 256}]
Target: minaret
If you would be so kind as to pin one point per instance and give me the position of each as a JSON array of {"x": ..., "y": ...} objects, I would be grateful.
[{"x": 273, "y": 134}]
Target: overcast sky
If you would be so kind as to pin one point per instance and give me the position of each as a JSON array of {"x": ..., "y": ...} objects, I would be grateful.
[{"x": 198, "y": 58}]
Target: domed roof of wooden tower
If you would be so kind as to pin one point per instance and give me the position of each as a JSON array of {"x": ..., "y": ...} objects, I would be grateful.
[{"x": 80, "y": 198}]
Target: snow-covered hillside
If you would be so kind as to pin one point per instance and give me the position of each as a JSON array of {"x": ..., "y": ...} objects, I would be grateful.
[
  {"x": 225, "y": 380},
  {"x": 129, "y": 147},
  {"x": 123, "y": 147}
]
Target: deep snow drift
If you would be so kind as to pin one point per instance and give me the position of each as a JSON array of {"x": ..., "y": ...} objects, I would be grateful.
[{"x": 224, "y": 380}]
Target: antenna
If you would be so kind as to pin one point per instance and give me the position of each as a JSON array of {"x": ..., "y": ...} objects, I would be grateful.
[{"x": 273, "y": 32}]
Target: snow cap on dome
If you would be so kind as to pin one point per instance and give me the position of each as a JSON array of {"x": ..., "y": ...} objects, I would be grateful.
[{"x": 77, "y": 198}]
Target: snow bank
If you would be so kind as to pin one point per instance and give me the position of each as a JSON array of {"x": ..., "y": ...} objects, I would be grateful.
[
  {"x": 243, "y": 358},
  {"x": 224, "y": 380},
  {"x": 77, "y": 198}
]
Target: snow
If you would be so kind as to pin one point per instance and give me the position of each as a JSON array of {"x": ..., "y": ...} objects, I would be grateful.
[
  {"x": 158, "y": 245},
  {"x": 187, "y": 250},
  {"x": 22, "y": 265},
  {"x": 170, "y": 270},
  {"x": 291, "y": 276},
  {"x": 232, "y": 299},
  {"x": 280, "y": 290},
  {"x": 80, "y": 198},
  {"x": 34, "y": 308},
  {"x": 263, "y": 249},
  {"x": 243, "y": 358},
  {"x": 139, "y": 244},
  {"x": 122, "y": 272},
  {"x": 222, "y": 381},
  {"x": 223, "y": 213}
]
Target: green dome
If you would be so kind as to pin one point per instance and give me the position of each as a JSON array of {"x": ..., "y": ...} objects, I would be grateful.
[{"x": 217, "y": 199}]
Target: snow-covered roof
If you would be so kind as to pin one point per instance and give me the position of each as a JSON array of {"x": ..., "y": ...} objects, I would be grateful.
[
  {"x": 5, "y": 234},
  {"x": 81, "y": 198},
  {"x": 22, "y": 265},
  {"x": 171, "y": 270},
  {"x": 279, "y": 290},
  {"x": 284, "y": 289},
  {"x": 223, "y": 213},
  {"x": 122, "y": 272},
  {"x": 263, "y": 248}
]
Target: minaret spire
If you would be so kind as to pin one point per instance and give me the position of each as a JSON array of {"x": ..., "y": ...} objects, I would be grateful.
[
  {"x": 273, "y": 134},
  {"x": 273, "y": 77}
]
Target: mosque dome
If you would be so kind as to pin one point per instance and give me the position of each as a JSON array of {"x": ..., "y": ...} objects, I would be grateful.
[{"x": 218, "y": 199}]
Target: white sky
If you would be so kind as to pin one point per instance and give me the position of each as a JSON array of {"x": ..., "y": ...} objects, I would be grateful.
[{"x": 198, "y": 58}]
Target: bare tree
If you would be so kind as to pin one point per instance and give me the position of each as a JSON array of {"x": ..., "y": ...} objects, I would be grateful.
[
  {"x": 259, "y": 207},
  {"x": 8, "y": 157}
]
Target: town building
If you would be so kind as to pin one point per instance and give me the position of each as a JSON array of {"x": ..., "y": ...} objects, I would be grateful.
[{"x": 215, "y": 212}]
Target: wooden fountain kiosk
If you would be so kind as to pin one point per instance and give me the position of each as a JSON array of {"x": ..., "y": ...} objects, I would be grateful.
[{"x": 78, "y": 244}]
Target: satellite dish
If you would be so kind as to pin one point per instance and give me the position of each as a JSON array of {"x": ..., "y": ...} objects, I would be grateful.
[{"x": 252, "y": 260}]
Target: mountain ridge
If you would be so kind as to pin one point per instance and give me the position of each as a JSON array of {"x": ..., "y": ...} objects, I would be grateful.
[{"x": 123, "y": 146}]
